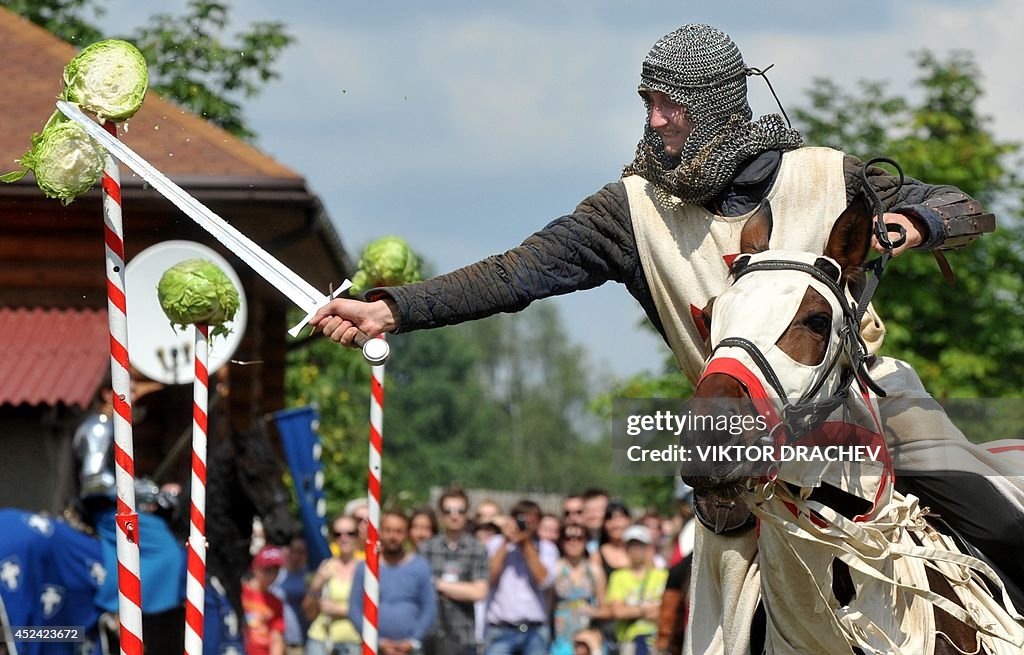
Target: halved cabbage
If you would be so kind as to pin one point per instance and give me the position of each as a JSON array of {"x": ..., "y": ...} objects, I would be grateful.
[
  {"x": 66, "y": 161},
  {"x": 108, "y": 78}
]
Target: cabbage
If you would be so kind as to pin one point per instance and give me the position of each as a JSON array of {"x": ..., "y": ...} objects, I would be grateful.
[
  {"x": 388, "y": 261},
  {"x": 198, "y": 291},
  {"x": 108, "y": 78},
  {"x": 67, "y": 162}
]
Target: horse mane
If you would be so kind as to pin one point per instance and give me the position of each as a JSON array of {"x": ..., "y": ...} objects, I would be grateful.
[{"x": 244, "y": 480}]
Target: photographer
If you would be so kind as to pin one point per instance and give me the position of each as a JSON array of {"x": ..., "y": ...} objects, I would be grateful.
[{"x": 522, "y": 570}]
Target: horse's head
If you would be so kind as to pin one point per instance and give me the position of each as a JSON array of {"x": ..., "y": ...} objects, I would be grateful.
[
  {"x": 783, "y": 339},
  {"x": 260, "y": 475}
]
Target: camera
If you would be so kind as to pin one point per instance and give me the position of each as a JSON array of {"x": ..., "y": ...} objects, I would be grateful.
[{"x": 521, "y": 521}]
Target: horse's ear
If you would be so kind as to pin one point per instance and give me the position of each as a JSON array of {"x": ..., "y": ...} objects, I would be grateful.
[
  {"x": 757, "y": 230},
  {"x": 850, "y": 239}
]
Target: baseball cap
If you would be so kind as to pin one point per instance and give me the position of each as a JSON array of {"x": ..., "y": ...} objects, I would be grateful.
[
  {"x": 269, "y": 556},
  {"x": 637, "y": 533}
]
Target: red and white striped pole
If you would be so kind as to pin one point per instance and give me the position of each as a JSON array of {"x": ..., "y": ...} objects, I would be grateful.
[
  {"x": 371, "y": 581},
  {"x": 195, "y": 587},
  {"x": 129, "y": 585}
]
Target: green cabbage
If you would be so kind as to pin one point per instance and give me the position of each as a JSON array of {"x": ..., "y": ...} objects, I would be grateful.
[
  {"x": 198, "y": 291},
  {"x": 387, "y": 262},
  {"x": 66, "y": 161},
  {"x": 108, "y": 78}
]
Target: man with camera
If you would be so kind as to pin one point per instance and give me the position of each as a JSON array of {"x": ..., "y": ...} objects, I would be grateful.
[{"x": 522, "y": 569}]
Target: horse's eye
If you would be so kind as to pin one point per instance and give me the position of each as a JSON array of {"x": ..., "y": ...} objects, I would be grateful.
[{"x": 819, "y": 323}]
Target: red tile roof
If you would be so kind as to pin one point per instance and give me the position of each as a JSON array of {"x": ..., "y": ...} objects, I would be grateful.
[
  {"x": 52, "y": 356},
  {"x": 176, "y": 141}
]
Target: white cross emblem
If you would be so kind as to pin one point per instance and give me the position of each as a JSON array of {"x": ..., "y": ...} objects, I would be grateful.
[
  {"x": 230, "y": 649},
  {"x": 52, "y": 599},
  {"x": 98, "y": 573},
  {"x": 40, "y": 524},
  {"x": 10, "y": 573},
  {"x": 231, "y": 623}
]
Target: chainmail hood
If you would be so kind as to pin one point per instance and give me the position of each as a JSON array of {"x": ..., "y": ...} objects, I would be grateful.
[{"x": 700, "y": 67}]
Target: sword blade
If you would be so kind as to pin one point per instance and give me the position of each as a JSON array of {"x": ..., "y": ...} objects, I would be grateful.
[{"x": 266, "y": 265}]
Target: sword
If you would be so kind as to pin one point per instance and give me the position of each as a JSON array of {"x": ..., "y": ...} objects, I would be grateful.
[{"x": 279, "y": 276}]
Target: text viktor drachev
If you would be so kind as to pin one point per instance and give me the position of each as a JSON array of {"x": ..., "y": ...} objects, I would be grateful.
[{"x": 754, "y": 454}]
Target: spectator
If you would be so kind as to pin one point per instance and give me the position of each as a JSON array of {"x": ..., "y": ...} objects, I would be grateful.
[
  {"x": 675, "y": 603},
  {"x": 674, "y": 609},
  {"x": 422, "y": 526},
  {"x": 264, "y": 612},
  {"x": 572, "y": 510},
  {"x": 332, "y": 631},
  {"x": 459, "y": 566},
  {"x": 652, "y": 521},
  {"x": 487, "y": 511},
  {"x": 408, "y": 603},
  {"x": 595, "y": 504},
  {"x": 579, "y": 588},
  {"x": 549, "y": 528},
  {"x": 588, "y": 642},
  {"x": 687, "y": 531},
  {"x": 290, "y": 587},
  {"x": 359, "y": 509},
  {"x": 611, "y": 554},
  {"x": 483, "y": 533},
  {"x": 634, "y": 594},
  {"x": 522, "y": 570}
]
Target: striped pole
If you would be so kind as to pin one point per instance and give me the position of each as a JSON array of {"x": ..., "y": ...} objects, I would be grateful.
[
  {"x": 371, "y": 581},
  {"x": 128, "y": 583},
  {"x": 195, "y": 592}
]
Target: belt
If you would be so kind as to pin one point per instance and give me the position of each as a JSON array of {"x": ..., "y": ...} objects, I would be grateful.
[{"x": 523, "y": 626}]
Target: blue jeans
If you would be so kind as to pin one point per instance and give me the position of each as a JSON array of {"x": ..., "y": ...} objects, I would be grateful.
[
  {"x": 501, "y": 640},
  {"x": 314, "y": 647}
]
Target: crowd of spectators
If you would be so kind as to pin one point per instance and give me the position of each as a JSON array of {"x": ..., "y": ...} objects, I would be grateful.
[{"x": 600, "y": 579}]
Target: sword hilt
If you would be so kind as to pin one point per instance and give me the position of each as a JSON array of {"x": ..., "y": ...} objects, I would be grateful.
[{"x": 375, "y": 349}]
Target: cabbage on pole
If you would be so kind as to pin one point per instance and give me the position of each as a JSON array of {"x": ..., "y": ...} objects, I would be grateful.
[
  {"x": 387, "y": 262},
  {"x": 197, "y": 291}
]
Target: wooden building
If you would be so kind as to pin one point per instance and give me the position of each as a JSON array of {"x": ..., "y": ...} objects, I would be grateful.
[{"x": 53, "y": 341}]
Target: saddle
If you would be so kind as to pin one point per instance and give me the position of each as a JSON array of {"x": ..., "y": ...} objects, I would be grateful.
[{"x": 723, "y": 511}]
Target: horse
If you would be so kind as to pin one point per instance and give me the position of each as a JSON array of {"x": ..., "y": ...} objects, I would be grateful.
[
  {"x": 244, "y": 481},
  {"x": 839, "y": 561}
]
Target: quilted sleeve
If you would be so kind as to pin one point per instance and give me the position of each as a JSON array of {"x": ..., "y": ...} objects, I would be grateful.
[{"x": 582, "y": 250}]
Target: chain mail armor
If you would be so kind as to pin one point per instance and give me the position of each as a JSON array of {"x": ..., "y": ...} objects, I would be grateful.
[{"x": 700, "y": 67}]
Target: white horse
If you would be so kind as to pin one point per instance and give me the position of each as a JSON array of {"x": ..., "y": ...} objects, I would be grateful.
[{"x": 840, "y": 562}]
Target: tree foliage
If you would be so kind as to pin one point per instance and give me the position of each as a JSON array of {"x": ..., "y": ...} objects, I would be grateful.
[
  {"x": 500, "y": 403},
  {"x": 190, "y": 60},
  {"x": 967, "y": 341}
]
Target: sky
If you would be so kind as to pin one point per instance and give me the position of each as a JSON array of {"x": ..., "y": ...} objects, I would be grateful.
[{"x": 466, "y": 126}]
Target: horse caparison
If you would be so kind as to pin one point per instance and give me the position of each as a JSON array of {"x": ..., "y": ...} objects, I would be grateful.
[{"x": 804, "y": 340}]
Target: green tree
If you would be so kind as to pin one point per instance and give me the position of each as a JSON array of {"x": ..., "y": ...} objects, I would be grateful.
[
  {"x": 67, "y": 19},
  {"x": 336, "y": 380},
  {"x": 967, "y": 341},
  {"x": 190, "y": 60}
]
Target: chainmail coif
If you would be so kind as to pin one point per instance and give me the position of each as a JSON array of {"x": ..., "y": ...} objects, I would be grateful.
[{"x": 700, "y": 67}]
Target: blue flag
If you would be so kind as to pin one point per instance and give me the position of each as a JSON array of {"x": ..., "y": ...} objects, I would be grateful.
[{"x": 302, "y": 450}]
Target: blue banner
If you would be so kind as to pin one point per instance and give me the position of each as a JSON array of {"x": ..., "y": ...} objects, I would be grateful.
[{"x": 302, "y": 450}]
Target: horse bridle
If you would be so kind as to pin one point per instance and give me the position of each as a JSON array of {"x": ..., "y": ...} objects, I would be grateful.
[{"x": 799, "y": 418}]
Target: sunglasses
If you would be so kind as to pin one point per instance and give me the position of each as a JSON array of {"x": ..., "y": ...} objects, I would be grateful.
[
  {"x": 453, "y": 510},
  {"x": 574, "y": 537},
  {"x": 347, "y": 533}
]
